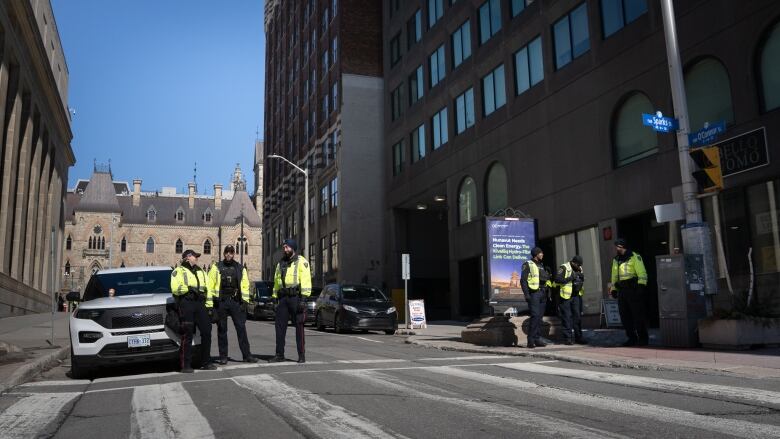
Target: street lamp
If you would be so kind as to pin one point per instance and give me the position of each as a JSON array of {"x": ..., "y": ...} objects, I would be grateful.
[{"x": 305, "y": 199}]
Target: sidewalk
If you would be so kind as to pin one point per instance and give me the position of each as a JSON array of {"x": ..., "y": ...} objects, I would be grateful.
[
  {"x": 25, "y": 348},
  {"x": 605, "y": 351}
]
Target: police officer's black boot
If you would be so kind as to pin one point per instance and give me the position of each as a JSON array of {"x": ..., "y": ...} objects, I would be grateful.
[
  {"x": 301, "y": 358},
  {"x": 250, "y": 359},
  {"x": 277, "y": 359}
]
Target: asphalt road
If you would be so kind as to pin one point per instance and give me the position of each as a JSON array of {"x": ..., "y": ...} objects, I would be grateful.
[{"x": 374, "y": 385}]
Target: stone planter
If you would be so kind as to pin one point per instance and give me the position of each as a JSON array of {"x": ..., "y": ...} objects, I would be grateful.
[{"x": 739, "y": 334}]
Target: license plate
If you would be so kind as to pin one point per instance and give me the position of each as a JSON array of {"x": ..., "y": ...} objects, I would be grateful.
[{"x": 139, "y": 341}]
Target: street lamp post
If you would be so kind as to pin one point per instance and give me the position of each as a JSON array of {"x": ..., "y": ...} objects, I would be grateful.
[{"x": 305, "y": 200}]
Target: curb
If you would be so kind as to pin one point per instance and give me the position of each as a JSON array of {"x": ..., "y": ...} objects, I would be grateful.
[
  {"x": 28, "y": 370},
  {"x": 588, "y": 362}
]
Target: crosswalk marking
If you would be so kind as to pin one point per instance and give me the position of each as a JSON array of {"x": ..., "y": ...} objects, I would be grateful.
[
  {"x": 531, "y": 423},
  {"x": 310, "y": 412},
  {"x": 633, "y": 408},
  {"x": 755, "y": 396},
  {"x": 29, "y": 416},
  {"x": 166, "y": 411}
]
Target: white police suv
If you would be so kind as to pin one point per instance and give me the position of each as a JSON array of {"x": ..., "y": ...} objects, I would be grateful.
[{"x": 121, "y": 320}]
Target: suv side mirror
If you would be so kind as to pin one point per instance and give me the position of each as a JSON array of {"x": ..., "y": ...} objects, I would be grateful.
[{"x": 73, "y": 296}]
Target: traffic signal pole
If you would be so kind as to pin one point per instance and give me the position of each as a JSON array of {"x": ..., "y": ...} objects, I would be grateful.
[{"x": 695, "y": 233}]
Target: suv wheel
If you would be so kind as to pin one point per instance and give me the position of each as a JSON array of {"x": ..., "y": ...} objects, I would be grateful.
[
  {"x": 318, "y": 322},
  {"x": 338, "y": 324},
  {"x": 77, "y": 371},
  {"x": 389, "y": 331}
]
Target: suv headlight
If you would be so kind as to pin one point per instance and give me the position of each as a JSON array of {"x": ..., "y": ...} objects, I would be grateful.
[
  {"x": 351, "y": 308},
  {"x": 89, "y": 314},
  {"x": 391, "y": 310}
]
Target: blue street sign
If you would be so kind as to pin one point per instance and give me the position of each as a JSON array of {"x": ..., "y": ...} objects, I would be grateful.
[
  {"x": 707, "y": 134},
  {"x": 659, "y": 122}
]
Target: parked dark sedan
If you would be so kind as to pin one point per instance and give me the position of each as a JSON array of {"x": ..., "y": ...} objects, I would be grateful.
[
  {"x": 262, "y": 304},
  {"x": 360, "y": 307}
]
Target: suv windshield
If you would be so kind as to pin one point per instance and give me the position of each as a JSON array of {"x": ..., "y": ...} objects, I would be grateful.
[
  {"x": 263, "y": 288},
  {"x": 128, "y": 284},
  {"x": 364, "y": 294}
]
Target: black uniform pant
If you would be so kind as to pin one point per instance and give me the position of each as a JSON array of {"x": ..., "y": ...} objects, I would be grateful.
[
  {"x": 570, "y": 311},
  {"x": 536, "y": 303},
  {"x": 631, "y": 303},
  {"x": 229, "y": 306},
  {"x": 192, "y": 313},
  {"x": 286, "y": 310}
]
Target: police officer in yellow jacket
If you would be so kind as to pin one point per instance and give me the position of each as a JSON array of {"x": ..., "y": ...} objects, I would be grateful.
[
  {"x": 189, "y": 286},
  {"x": 229, "y": 289},
  {"x": 571, "y": 279},
  {"x": 292, "y": 282},
  {"x": 535, "y": 282},
  {"x": 629, "y": 279}
]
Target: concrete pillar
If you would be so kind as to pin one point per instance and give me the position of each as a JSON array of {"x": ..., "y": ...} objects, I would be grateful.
[
  {"x": 218, "y": 196},
  {"x": 40, "y": 227},
  {"x": 51, "y": 221},
  {"x": 191, "y": 187},
  {"x": 136, "y": 192},
  {"x": 10, "y": 167},
  {"x": 32, "y": 235},
  {"x": 22, "y": 188}
]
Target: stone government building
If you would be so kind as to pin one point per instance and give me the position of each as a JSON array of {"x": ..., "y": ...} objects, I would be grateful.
[{"x": 110, "y": 225}]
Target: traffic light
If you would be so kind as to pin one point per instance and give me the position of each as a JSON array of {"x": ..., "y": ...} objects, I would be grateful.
[{"x": 708, "y": 160}]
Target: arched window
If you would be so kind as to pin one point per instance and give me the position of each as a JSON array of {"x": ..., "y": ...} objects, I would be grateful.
[
  {"x": 207, "y": 216},
  {"x": 95, "y": 267},
  {"x": 150, "y": 245},
  {"x": 67, "y": 268},
  {"x": 239, "y": 241},
  {"x": 180, "y": 215},
  {"x": 68, "y": 243},
  {"x": 89, "y": 243},
  {"x": 123, "y": 245},
  {"x": 770, "y": 69},
  {"x": 207, "y": 247},
  {"x": 708, "y": 92},
  {"x": 179, "y": 246},
  {"x": 496, "y": 189},
  {"x": 151, "y": 215},
  {"x": 103, "y": 243},
  {"x": 632, "y": 140},
  {"x": 467, "y": 201}
]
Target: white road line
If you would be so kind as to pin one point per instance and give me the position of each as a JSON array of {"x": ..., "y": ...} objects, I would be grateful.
[
  {"x": 528, "y": 422},
  {"x": 642, "y": 410},
  {"x": 473, "y": 357},
  {"x": 29, "y": 416},
  {"x": 262, "y": 365},
  {"x": 342, "y": 335},
  {"x": 56, "y": 383},
  {"x": 134, "y": 377},
  {"x": 370, "y": 361},
  {"x": 166, "y": 411},
  {"x": 753, "y": 396},
  {"x": 311, "y": 412}
]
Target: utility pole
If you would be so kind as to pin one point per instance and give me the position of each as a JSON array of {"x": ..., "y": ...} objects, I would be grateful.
[{"x": 695, "y": 233}]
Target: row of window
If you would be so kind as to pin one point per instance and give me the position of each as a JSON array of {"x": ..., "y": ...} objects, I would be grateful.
[{"x": 496, "y": 195}]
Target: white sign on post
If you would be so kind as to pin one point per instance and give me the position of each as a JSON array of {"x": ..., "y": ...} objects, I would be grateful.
[
  {"x": 417, "y": 313},
  {"x": 405, "y": 266},
  {"x": 611, "y": 312}
]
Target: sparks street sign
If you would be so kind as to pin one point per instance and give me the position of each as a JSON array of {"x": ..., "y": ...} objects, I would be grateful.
[
  {"x": 659, "y": 122},
  {"x": 707, "y": 134}
]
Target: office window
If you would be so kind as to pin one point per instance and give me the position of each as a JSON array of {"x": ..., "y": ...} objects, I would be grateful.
[
  {"x": 467, "y": 201},
  {"x": 325, "y": 21},
  {"x": 461, "y": 44},
  {"x": 493, "y": 91},
  {"x": 518, "y": 6},
  {"x": 496, "y": 188},
  {"x": 571, "y": 36},
  {"x": 334, "y": 49},
  {"x": 334, "y": 7},
  {"x": 708, "y": 92},
  {"x": 439, "y": 128},
  {"x": 398, "y": 158},
  {"x": 395, "y": 103},
  {"x": 395, "y": 49},
  {"x": 335, "y": 96},
  {"x": 464, "y": 111},
  {"x": 529, "y": 66},
  {"x": 770, "y": 70},
  {"x": 325, "y": 107},
  {"x": 417, "y": 141},
  {"x": 324, "y": 199},
  {"x": 615, "y": 14},
  {"x": 633, "y": 140},
  {"x": 312, "y": 206},
  {"x": 334, "y": 250},
  {"x": 324, "y": 253},
  {"x": 334, "y": 193},
  {"x": 394, "y": 6},
  {"x": 489, "y": 20},
  {"x": 414, "y": 29},
  {"x": 435, "y": 11},
  {"x": 437, "y": 67},
  {"x": 325, "y": 60},
  {"x": 416, "y": 86},
  {"x": 312, "y": 259}
]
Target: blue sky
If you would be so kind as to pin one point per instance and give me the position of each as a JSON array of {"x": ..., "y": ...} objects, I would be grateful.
[{"x": 159, "y": 85}]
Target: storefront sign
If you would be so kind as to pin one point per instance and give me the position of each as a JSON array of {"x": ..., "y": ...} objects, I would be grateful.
[
  {"x": 744, "y": 152},
  {"x": 417, "y": 314},
  {"x": 509, "y": 244}
]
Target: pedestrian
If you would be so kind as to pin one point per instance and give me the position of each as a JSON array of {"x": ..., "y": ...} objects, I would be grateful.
[
  {"x": 629, "y": 279},
  {"x": 61, "y": 303},
  {"x": 571, "y": 280},
  {"x": 189, "y": 285},
  {"x": 229, "y": 288},
  {"x": 535, "y": 282},
  {"x": 292, "y": 282}
]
